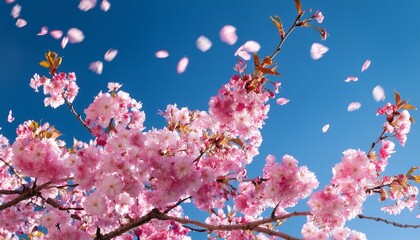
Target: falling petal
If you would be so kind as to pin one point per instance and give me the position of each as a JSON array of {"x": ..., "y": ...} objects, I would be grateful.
[
  {"x": 9, "y": 1},
  {"x": 351, "y": 78},
  {"x": 318, "y": 50},
  {"x": 16, "y": 11},
  {"x": 366, "y": 65},
  {"x": 105, "y": 5},
  {"x": 282, "y": 101},
  {"x": 325, "y": 128},
  {"x": 242, "y": 53},
  {"x": 21, "y": 23},
  {"x": 162, "y": 54},
  {"x": 203, "y": 43},
  {"x": 182, "y": 65},
  {"x": 228, "y": 35},
  {"x": 75, "y": 35},
  {"x": 378, "y": 93},
  {"x": 64, "y": 42},
  {"x": 353, "y": 106},
  {"x": 86, "y": 5},
  {"x": 96, "y": 67},
  {"x": 251, "y": 46},
  {"x": 44, "y": 30},
  {"x": 10, "y": 118},
  {"x": 110, "y": 54},
  {"x": 57, "y": 34}
]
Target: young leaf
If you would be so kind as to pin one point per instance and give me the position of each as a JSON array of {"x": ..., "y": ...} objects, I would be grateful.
[
  {"x": 408, "y": 107},
  {"x": 412, "y": 169},
  {"x": 276, "y": 20},
  {"x": 411, "y": 119},
  {"x": 298, "y": 6},
  {"x": 256, "y": 59},
  {"x": 415, "y": 178},
  {"x": 44, "y": 64},
  {"x": 397, "y": 97},
  {"x": 264, "y": 70},
  {"x": 268, "y": 61}
]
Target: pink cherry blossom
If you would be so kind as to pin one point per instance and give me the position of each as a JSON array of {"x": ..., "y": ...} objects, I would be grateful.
[
  {"x": 353, "y": 106},
  {"x": 162, "y": 54},
  {"x": 351, "y": 78},
  {"x": 203, "y": 43},
  {"x": 282, "y": 101},
  {"x": 318, "y": 16},
  {"x": 105, "y": 5},
  {"x": 378, "y": 94},
  {"x": 182, "y": 65},
  {"x": 21, "y": 23},
  {"x": 10, "y": 118},
  {"x": 228, "y": 34},
  {"x": 64, "y": 42},
  {"x": 366, "y": 65},
  {"x": 96, "y": 67},
  {"x": 113, "y": 86},
  {"x": 110, "y": 54},
  {"x": 75, "y": 35},
  {"x": 249, "y": 47},
  {"x": 318, "y": 50},
  {"x": 43, "y": 31},
  {"x": 57, "y": 34},
  {"x": 325, "y": 128},
  {"x": 15, "y": 13},
  {"x": 86, "y": 5}
]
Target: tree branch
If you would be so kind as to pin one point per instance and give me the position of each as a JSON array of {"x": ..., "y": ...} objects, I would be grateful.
[
  {"x": 72, "y": 110},
  {"x": 26, "y": 194},
  {"x": 378, "y": 219}
]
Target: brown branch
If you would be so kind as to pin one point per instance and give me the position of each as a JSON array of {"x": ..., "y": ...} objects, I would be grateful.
[
  {"x": 26, "y": 194},
  {"x": 72, "y": 110},
  {"x": 177, "y": 204},
  {"x": 11, "y": 168},
  {"x": 378, "y": 219},
  {"x": 10, "y": 192}
]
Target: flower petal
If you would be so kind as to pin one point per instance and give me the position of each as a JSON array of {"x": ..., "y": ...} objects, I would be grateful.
[
  {"x": 162, "y": 54},
  {"x": 15, "y": 13},
  {"x": 10, "y": 118},
  {"x": 64, "y": 42},
  {"x": 43, "y": 31},
  {"x": 325, "y": 128},
  {"x": 351, "y": 78},
  {"x": 110, "y": 54},
  {"x": 96, "y": 67},
  {"x": 318, "y": 50},
  {"x": 21, "y": 23},
  {"x": 228, "y": 35},
  {"x": 366, "y": 65},
  {"x": 378, "y": 93},
  {"x": 182, "y": 65},
  {"x": 75, "y": 35},
  {"x": 282, "y": 101},
  {"x": 353, "y": 106},
  {"x": 203, "y": 43},
  {"x": 57, "y": 34},
  {"x": 105, "y": 5},
  {"x": 251, "y": 46},
  {"x": 86, "y": 5}
]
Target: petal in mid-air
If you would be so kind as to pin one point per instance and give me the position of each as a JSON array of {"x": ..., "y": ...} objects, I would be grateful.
[
  {"x": 182, "y": 65},
  {"x": 228, "y": 35},
  {"x": 203, "y": 43},
  {"x": 366, "y": 65},
  {"x": 75, "y": 35},
  {"x": 353, "y": 106},
  {"x": 110, "y": 54},
  {"x": 378, "y": 93},
  {"x": 162, "y": 54},
  {"x": 318, "y": 50},
  {"x": 96, "y": 67},
  {"x": 282, "y": 101}
]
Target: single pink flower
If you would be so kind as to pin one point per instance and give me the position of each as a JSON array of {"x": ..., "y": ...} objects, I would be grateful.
[{"x": 318, "y": 16}]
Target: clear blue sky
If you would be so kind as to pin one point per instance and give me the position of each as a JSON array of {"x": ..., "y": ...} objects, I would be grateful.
[{"x": 386, "y": 32}]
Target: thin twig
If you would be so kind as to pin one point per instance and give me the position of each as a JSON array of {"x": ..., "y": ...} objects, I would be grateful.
[
  {"x": 72, "y": 110},
  {"x": 378, "y": 219}
]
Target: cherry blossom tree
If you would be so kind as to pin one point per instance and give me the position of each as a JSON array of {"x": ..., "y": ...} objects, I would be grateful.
[{"x": 128, "y": 183}]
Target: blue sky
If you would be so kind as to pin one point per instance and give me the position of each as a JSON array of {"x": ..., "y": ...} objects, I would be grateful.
[{"x": 385, "y": 32}]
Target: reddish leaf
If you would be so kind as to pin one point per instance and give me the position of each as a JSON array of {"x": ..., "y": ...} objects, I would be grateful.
[
  {"x": 298, "y": 6},
  {"x": 256, "y": 59},
  {"x": 397, "y": 97},
  {"x": 268, "y": 61},
  {"x": 264, "y": 70},
  {"x": 408, "y": 107},
  {"x": 411, "y": 119},
  {"x": 276, "y": 20}
]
